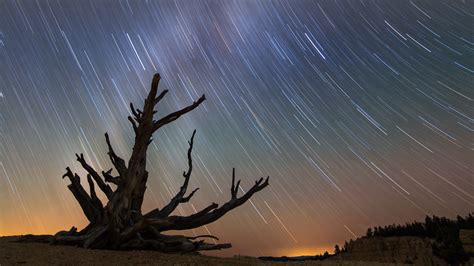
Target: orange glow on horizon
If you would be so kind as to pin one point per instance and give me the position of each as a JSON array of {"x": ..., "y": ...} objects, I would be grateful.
[{"x": 305, "y": 251}]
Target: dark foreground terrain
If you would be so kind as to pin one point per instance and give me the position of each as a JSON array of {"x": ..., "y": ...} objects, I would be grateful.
[
  {"x": 12, "y": 253},
  {"x": 436, "y": 241}
]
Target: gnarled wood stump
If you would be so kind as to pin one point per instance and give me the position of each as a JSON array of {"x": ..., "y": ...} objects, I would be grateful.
[{"x": 120, "y": 224}]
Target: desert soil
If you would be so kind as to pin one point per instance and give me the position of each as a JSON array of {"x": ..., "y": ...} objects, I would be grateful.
[{"x": 12, "y": 253}]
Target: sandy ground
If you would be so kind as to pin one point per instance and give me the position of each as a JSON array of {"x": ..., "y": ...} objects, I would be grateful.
[
  {"x": 45, "y": 254},
  {"x": 13, "y": 253}
]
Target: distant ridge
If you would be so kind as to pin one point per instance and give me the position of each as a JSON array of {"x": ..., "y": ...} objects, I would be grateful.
[{"x": 436, "y": 241}]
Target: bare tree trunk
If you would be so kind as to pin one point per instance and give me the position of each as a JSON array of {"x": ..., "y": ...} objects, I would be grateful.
[{"x": 121, "y": 224}]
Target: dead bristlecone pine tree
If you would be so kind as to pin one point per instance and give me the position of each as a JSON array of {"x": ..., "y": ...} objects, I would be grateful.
[{"x": 120, "y": 223}]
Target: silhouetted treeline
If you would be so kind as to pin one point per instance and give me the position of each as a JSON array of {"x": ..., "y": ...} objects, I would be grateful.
[
  {"x": 443, "y": 230},
  {"x": 298, "y": 258}
]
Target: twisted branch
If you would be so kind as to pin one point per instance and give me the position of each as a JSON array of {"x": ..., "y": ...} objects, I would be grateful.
[
  {"x": 104, "y": 187},
  {"x": 118, "y": 162},
  {"x": 91, "y": 208},
  {"x": 179, "y": 197},
  {"x": 175, "y": 115},
  {"x": 212, "y": 212}
]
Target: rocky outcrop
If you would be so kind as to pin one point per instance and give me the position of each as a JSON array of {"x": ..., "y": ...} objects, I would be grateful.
[
  {"x": 399, "y": 250},
  {"x": 467, "y": 240}
]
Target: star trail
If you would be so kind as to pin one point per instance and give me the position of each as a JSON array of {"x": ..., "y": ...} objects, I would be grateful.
[{"x": 361, "y": 112}]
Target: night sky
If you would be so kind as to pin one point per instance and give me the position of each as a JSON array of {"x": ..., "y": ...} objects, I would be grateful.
[{"x": 361, "y": 112}]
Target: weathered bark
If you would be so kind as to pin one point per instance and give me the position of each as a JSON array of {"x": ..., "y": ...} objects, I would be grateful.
[{"x": 121, "y": 224}]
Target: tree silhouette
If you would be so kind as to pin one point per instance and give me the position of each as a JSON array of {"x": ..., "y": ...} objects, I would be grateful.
[
  {"x": 120, "y": 224},
  {"x": 443, "y": 231}
]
